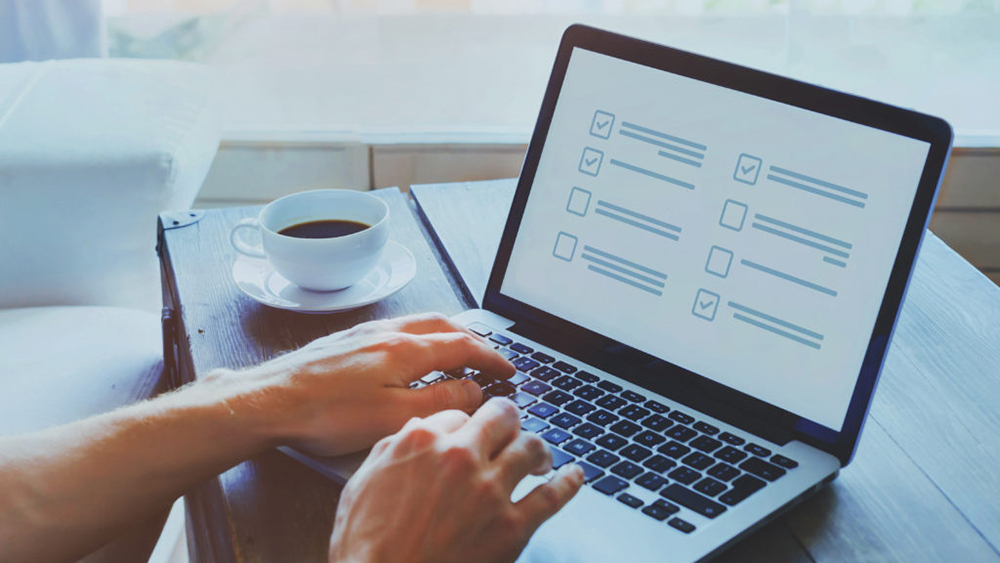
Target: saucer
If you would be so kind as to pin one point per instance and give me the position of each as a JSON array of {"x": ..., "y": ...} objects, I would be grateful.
[{"x": 257, "y": 280}]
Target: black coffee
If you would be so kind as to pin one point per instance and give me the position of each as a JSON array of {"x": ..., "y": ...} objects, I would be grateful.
[{"x": 323, "y": 229}]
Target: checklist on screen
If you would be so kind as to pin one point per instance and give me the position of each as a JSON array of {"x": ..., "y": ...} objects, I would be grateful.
[{"x": 743, "y": 239}]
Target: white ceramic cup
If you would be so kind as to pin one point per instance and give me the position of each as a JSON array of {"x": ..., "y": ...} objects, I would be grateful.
[{"x": 318, "y": 264}]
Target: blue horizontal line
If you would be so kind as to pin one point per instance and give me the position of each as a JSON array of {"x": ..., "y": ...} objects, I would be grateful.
[
  {"x": 664, "y": 135},
  {"x": 789, "y": 277},
  {"x": 835, "y": 262},
  {"x": 804, "y": 231},
  {"x": 694, "y": 163},
  {"x": 668, "y": 146},
  {"x": 819, "y": 182},
  {"x": 775, "y": 320},
  {"x": 815, "y": 191},
  {"x": 621, "y": 260},
  {"x": 651, "y": 174},
  {"x": 638, "y": 215},
  {"x": 773, "y": 330},
  {"x": 625, "y": 280},
  {"x": 625, "y": 271},
  {"x": 801, "y": 240},
  {"x": 637, "y": 224}
]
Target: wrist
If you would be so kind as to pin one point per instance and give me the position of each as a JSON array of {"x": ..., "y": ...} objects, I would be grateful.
[{"x": 248, "y": 405}]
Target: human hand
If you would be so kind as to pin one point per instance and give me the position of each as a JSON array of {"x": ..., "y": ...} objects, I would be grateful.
[
  {"x": 342, "y": 392},
  {"x": 440, "y": 491}
]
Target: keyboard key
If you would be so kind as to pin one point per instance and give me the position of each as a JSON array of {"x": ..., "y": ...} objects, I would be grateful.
[
  {"x": 674, "y": 449},
  {"x": 507, "y": 354},
  {"x": 681, "y": 417},
  {"x": 650, "y": 480},
  {"x": 682, "y": 525},
  {"x": 525, "y": 363},
  {"x": 743, "y": 487},
  {"x": 611, "y": 441},
  {"x": 587, "y": 376},
  {"x": 564, "y": 367},
  {"x": 706, "y": 444},
  {"x": 609, "y": 387},
  {"x": 724, "y": 471},
  {"x": 522, "y": 399},
  {"x": 633, "y": 396},
  {"x": 690, "y": 499},
  {"x": 500, "y": 339},
  {"x": 480, "y": 329},
  {"x": 625, "y": 428},
  {"x": 557, "y": 397},
  {"x": 566, "y": 382},
  {"x": 610, "y": 485},
  {"x": 588, "y": 430},
  {"x": 542, "y": 358},
  {"x": 626, "y": 469},
  {"x": 536, "y": 388},
  {"x": 629, "y": 500},
  {"x": 659, "y": 463},
  {"x": 706, "y": 428},
  {"x": 579, "y": 407},
  {"x": 500, "y": 389},
  {"x": 709, "y": 487},
  {"x": 559, "y": 457},
  {"x": 521, "y": 348},
  {"x": 603, "y": 458},
  {"x": 518, "y": 378},
  {"x": 635, "y": 452},
  {"x": 762, "y": 469},
  {"x": 545, "y": 373},
  {"x": 656, "y": 406},
  {"x": 698, "y": 460},
  {"x": 680, "y": 433},
  {"x": 543, "y": 410},
  {"x": 783, "y": 461},
  {"x": 564, "y": 420},
  {"x": 460, "y": 373},
  {"x": 589, "y": 471},
  {"x": 633, "y": 412},
  {"x": 432, "y": 377},
  {"x": 684, "y": 475},
  {"x": 602, "y": 417},
  {"x": 588, "y": 392},
  {"x": 731, "y": 439},
  {"x": 731, "y": 455},
  {"x": 533, "y": 425},
  {"x": 556, "y": 436},
  {"x": 757, "y": 449},
  {"x": 660, "y": 510},
  {"x": 656, "y": 423},
  {"x": 579, "y": 447},
  {"x": 649, "y": 439},
  {"x": 483, "y": 380}
]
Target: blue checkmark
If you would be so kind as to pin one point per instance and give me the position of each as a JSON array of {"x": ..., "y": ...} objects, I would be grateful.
[
  {"x": 602, "y": 124},
  {"x": 706, "y": 303},
  {"x": 747, "y": 169},
  {"x": 590, "y": 161}
]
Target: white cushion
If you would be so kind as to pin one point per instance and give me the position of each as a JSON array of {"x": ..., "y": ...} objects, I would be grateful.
[
  {"x": 90, "y": 152},
  {"x": 51, "y": 29},
  {"x": 60, "y": 364}
]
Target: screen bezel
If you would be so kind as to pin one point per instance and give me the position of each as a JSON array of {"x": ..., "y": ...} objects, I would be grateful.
[{"x": 672, "y": 381}]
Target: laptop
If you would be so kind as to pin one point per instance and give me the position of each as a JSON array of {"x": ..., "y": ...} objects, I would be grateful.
[{"x": 698, "y": 282}]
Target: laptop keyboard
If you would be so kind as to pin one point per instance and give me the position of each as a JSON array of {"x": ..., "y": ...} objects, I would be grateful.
[{"x": 625, "y": 441}]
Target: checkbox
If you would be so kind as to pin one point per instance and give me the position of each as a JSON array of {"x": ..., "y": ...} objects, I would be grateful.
[
  {"x": 706, "y": 303},
  {"x": 734, "y": 214},
  {"x": 719, "y": 261},
  {"x": 747, "y": 169},
  {"x": 590, "y": 161},
  {"x": 602, "y": 124},
  {"x": 565, "y": 246},
  {"x": 579, "y": 201}
]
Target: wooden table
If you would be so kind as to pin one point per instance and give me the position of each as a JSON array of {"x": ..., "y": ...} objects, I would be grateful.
[{"x": 922, "y": 487}]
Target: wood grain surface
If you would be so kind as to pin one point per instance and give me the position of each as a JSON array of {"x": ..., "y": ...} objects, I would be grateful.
[{"x": 923, "y": 485}]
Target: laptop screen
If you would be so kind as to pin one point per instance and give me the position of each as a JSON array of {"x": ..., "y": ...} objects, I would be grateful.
[{"x": 743, "y": 239}]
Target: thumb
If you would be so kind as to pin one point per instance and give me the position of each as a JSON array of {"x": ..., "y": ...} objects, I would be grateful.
[{"x": 463, "y": 395}]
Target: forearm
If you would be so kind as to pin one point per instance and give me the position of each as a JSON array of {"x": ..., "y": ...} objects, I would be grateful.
[{"x": 67, "y": 490}]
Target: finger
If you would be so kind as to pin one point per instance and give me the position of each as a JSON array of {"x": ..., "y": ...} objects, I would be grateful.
[
  {"x": 493, "y": 427},
  {"x": 548, "y": 498},
  {"x": 526, "y": 454},
  {"x": 447, "y": 420},
  {"x": 460, "y": 395},
  {"x": 451, "y": 350},
  {"x": 427, "y": 323}
]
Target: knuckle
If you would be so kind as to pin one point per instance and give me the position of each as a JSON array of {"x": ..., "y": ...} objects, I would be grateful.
[
  {"x": 445, "y": 396},
  {"x": 551, "y": 500},
  {"x": 536, "y": 447},
  {"x": 458, "y": 460},
  {"x": 416, "y": 437}
]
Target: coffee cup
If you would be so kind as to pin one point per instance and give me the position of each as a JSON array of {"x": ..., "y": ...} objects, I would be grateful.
[{"x": 320, "y": 240}]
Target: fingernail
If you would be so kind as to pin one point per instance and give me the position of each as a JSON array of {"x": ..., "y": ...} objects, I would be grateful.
[{"x": 575, "y": 471}]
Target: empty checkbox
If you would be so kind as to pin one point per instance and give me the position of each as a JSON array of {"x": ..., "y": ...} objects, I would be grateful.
[
  {"x": 579, "y": 201},
  {"x": 734, "y": 213},
  {"x": 719, "y": 261},
  {"x": 565, "y": 246}
]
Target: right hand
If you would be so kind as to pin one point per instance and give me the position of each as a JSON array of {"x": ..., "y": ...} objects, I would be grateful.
[{"x": 440, "y": 491}]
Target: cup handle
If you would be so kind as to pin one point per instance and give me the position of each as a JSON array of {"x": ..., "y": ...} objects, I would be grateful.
[{"x": 241, "y": 245}]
